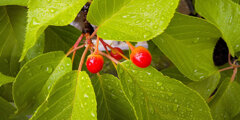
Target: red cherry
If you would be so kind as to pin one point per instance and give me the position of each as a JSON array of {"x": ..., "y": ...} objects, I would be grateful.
[
  {"x": 115, "y": 54},
  {"x": 141, "y": 57},
  {"x": 94, "y": 63}
]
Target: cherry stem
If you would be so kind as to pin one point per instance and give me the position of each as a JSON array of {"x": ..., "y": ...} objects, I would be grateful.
[
  {"x": 130, "y": 45},
  {"x": 75, "y": 45},
  {"x": 234, "y": 74},
  {"x": 83, "y": 57},
  {"x": 105, "y": 47},
  {"x": 227, "y": 68},
  {"x": 97, "y": 44},
  {"x": 105, "y": 44},
  {"x": 72, "y": 50},
  {"x": 93, "y": 34},
  {"x": 109, "y": 57}
]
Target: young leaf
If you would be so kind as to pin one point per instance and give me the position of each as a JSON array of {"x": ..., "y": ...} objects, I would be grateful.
[
  {"x": 42, "y": 13},
  {"x": 4, "y": 79},
  {"x": 189, "y": 43},
  {"x": 225, "y": 104},
  {"x": 132, "y": 20},
  {"x": 157, "y": 97},
  {"x": 13, "y": 2},
  {"x": 204, "y": 87},
  {"x": 12, "y": 31},
  {"x": 113, "y": 104},
  {"x": 72, "y": 98},
  {"x": 36, "y": 78},
  {"x": 223, "y": 14}
]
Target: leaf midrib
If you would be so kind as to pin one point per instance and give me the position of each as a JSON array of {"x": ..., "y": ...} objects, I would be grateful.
[{"x": 104, "y": 96}]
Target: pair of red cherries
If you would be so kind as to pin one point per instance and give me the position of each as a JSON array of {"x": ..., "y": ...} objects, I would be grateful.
[{"x": 140, "y": 56}]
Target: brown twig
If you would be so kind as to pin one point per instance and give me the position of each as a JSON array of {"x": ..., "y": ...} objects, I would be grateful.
[
  {"x": 234, "y": 74},
  {"x": 83, "y": 57},
  {"x": 71, "y": 51}
]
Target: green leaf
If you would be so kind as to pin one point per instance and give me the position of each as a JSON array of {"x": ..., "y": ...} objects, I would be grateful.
[
  {"x": 72, "y": 98},
  {"x": 36, "y": 50},
  {"x": 12, "y": 31},
  {"x": 42, "y": 13},
  {"x": 223, "y": 14},
  {"x": 36, "y": 78},
  {"x": 207, "y": 86},
  {"x": 173, "y": 72},
  {"x": 132, "y": 20},
  {"x": 204, "y": 87},
  {"x": 13, "y": 2},
  {"x": 6, "y": 92},
  {"x": 113, "y": 104},
  {"x": 237, "y": 117},
  {"x": 236, "y": 1},
  {"x": 4, "y": 79},
  {"x": 6, "y": 109},
  {"x": 157, "y": 97},
  {"x": 189, "y": 43},
  {"x": 62, "y": 38},
  {"x": 225, "y": 104}
]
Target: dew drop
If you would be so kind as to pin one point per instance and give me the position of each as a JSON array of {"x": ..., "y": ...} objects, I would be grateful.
[
  {"x": 52, "y": 10},
  {"x": 68, "y": 64},
  {"x": 196, "y": 40},
  {"x": 159, "y": 84},
  {"x": 148, "y": 20},
  {"x": 49, "y": 69},
  {"x": 93, "y": 115},
  {"x": 138, "y": 21},
  {"x": 130, "y": 80},
  {"x": 86, "y": 96},
  {"x": 125, "y": 16},
  {"x": 61, "y": 67},
  {"x": 237, "y": 46},
  {"x": 35, "y": 22}
]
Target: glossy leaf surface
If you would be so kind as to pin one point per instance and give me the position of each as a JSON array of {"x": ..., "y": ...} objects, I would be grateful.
[
  {"x": 72, "y": 98},
  {"x": 113, "y": 103},
  {"x": 36, "y": 78},
  {"x": 189, "y": 43},
  {"x": 156, "y": 96},
  {"x": 42, "y": 13},
  {"x": 133, "y": 20}
]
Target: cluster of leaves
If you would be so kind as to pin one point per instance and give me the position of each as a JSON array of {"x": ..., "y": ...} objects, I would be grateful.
[{"x": 45, "y": 84}]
